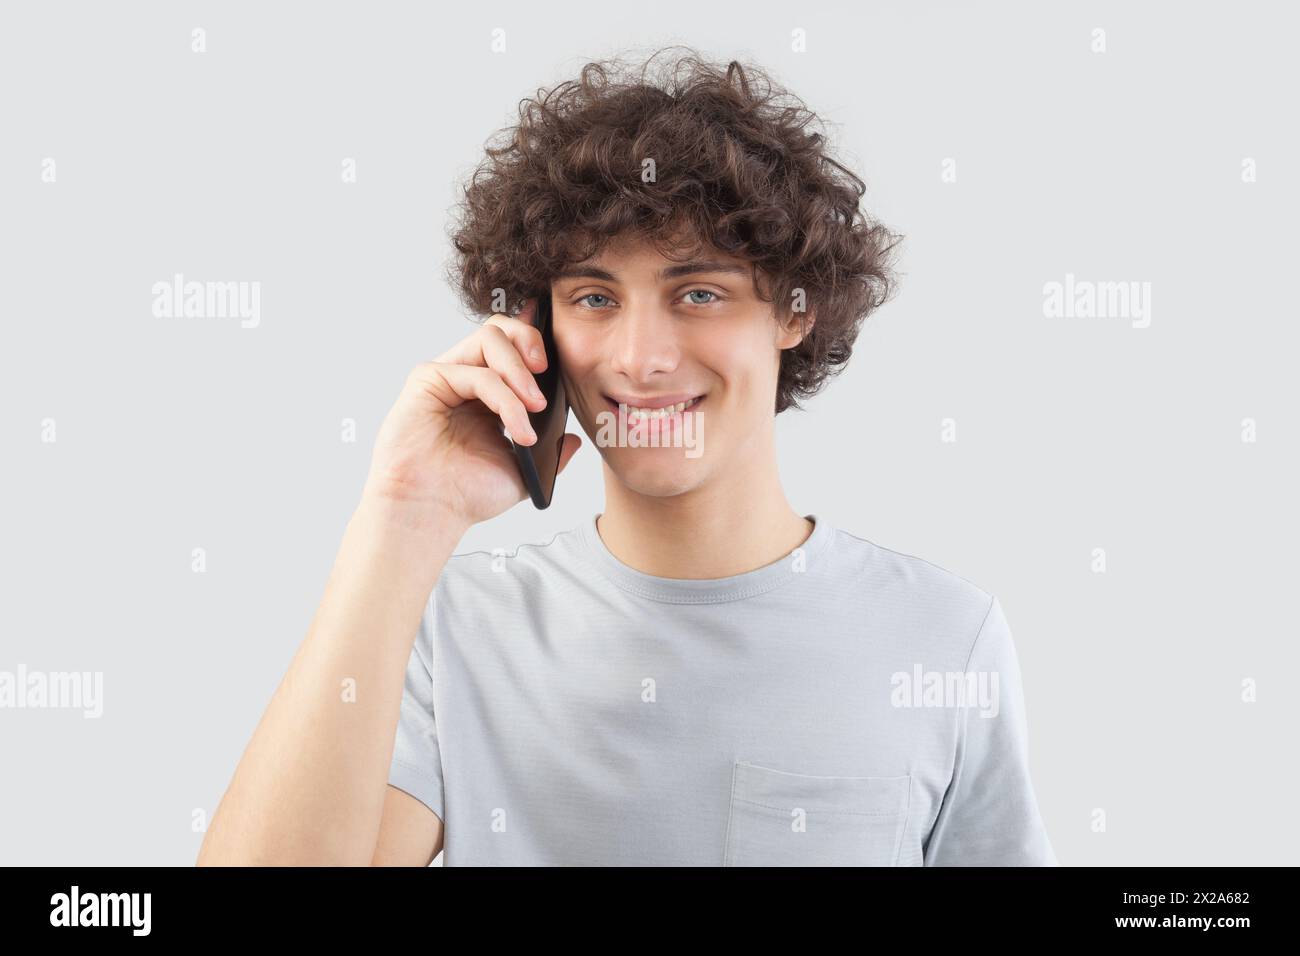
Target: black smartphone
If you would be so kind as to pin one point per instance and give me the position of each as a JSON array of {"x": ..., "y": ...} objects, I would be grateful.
[{"x": 540, "y": 462}]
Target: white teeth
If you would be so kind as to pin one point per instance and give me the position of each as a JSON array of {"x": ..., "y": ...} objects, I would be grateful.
[{"x": 664, "y": 412}]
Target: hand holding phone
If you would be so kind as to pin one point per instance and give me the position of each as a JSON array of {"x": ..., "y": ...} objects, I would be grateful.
[{"x": 441, "y": 455}]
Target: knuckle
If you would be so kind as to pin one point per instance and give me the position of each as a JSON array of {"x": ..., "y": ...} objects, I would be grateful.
[
  {"x": 497, "y": 325},
  {"x": 491, "y": 381},
  {"x": 509, "y": 324},
  {"x": 422, "y": 372}
]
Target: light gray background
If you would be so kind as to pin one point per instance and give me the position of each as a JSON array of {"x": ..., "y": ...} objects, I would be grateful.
[{"x": 1073, "y": 434}]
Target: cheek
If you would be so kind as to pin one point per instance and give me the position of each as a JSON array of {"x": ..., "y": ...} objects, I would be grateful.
[
  {"x": 576, "y": 354},
  {"x": 579, "y": 364},
  {"x": 745, "y": 366}
]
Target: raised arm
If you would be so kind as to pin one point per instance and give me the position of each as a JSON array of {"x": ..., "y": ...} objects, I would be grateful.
[{"x": 311, "y": 787}]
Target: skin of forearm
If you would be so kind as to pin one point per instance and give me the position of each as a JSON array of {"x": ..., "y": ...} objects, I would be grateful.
[{"x": 310, "y": 787}]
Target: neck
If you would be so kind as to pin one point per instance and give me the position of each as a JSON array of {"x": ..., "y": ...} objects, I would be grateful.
[{"x": 739, "y": 522}]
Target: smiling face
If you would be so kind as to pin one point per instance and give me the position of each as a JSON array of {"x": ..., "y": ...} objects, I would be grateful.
[{"x": 635, "y": 327}]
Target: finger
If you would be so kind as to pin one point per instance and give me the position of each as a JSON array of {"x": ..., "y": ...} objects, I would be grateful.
[
  {"x": 526, "y": 336},
  {"x": 519, "y": 329},
  {"x": 456, "y": 384},
  {"x": 569, "y": 450},
  {"x": 502, "y": 356}
]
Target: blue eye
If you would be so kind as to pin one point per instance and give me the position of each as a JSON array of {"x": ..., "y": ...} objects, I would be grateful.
[{"x": 583, "y": 300}]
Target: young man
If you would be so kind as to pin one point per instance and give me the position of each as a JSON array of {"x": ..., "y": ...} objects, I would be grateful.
[{"x": 699, "y": 674}]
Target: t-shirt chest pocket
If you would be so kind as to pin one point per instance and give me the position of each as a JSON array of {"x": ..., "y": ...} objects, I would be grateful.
[{"x": 779, "y": 818}]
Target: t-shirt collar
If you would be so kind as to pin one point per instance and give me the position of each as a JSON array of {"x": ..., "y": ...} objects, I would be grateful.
[{"x": 801, "y": 560}]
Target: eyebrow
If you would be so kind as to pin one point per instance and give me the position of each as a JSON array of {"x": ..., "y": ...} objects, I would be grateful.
[{"x": 672, "y": 272}]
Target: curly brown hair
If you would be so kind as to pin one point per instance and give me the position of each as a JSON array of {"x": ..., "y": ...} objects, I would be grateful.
[{"x": 732, "y": 166}]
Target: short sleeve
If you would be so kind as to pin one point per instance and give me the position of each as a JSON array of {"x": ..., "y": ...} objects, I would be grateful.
[
  {"x": 989, "y": 815},
  {"x": 417, "y": 760}
]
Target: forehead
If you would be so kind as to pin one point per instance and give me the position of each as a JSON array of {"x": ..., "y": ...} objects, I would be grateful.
[{"x": 624, "y": 257}]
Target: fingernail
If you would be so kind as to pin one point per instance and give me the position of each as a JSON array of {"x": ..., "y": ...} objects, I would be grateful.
[{"x": 535, "y": 354}]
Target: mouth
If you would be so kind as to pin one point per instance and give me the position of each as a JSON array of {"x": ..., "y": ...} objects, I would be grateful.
[{"x": 654, "y": 410}]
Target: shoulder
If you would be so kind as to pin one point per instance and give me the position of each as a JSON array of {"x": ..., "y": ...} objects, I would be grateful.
[
  {"x": 932, "y": 607},
  {"x": 494, "y": 571},
  {"x": 896, "y": 572}
]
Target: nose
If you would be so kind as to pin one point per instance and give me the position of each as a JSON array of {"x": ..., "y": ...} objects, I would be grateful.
[{"x": 644, "y": 342}]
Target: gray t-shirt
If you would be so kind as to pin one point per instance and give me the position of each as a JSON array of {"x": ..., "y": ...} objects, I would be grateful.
[{"x": 845, "y": 705}]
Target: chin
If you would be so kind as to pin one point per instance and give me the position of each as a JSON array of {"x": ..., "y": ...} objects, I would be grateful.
[{"x": 661, "y": 474}]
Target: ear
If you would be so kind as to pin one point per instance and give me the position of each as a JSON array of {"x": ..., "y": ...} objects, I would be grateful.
[{"x": 789, "y": 333}]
